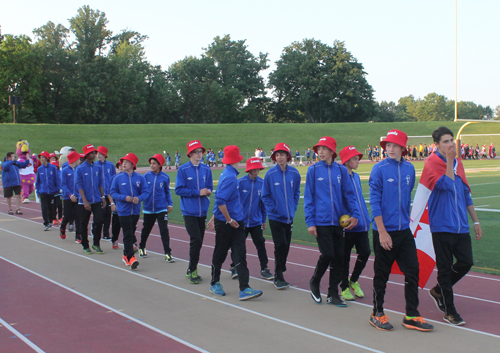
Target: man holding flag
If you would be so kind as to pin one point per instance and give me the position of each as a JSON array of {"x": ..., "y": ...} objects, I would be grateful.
[
  {"x": 444, "y": 188},
  {"x": 391, "y": 183}
]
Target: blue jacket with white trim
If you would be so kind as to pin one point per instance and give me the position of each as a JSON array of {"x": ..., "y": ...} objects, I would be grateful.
[
  {"x": 448, "y": 204},
  {"x": 280, "y": 193},
  {"x": 227, "y": 194},
  {"x": 364, "y": 221},
  {"x": 159, "y": 192},
  {"x": 254, "y": 210},
  {"x": 190, "y": 180},
  {"x": 47, "y": 180},
  {"x": 68, "y": 182},
  {"x": 328, "y": 193},
  {"x": 89, "y": 179},
  {"x": 124, "y": 185},
  {"x": 391, "y": 183},
  {"x": 108, "y": 171},
  {"x": 10, "y": 172}
]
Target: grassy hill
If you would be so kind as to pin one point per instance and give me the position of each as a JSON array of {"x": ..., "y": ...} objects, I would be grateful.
[{"x": 146, "y": 140}]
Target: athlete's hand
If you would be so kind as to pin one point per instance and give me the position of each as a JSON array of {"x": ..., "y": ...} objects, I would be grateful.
[
  {"x": 385, "y": 240},
  {"x": 479, "y": 231},
  {"x": 103, "y": 203},
  {"x": 264, "y": 226},
  {"x": 234, "y": 224},
  {"x": 210, "y": 224},
  {"x": 169, "y": 209},
  {"x": 312, "y": 231},
  {"x": 86, "y": 204},
  {"x": 352, "y": 223},
  {"x": 113, "y": 208},
  {"x": 73, "y": 198},
  {"x": 129, "y": 199},
  {"x": 452, "y": 152},
  {"x": 135, "y": 200},
  {"x": 205, "y": 192}
]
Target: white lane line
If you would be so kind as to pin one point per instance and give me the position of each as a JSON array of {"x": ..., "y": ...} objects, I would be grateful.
[
  {"x": 95, "y": 301},
  {"x": 21, "y": 336},
  {"x": 485, "y": 197},
  {"x": 303, "y": 328}
]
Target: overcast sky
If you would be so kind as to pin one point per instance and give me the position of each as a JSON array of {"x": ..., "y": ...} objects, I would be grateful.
[{"x": 406, "y": 47}]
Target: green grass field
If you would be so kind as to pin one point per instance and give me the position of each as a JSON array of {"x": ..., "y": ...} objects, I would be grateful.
[
  {"x": 483, "y": 176},
  {"x": 147, "y": 140}
]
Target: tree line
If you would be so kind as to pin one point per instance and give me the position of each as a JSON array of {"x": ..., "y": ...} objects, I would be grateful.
[{"x": 105, "y": 78}]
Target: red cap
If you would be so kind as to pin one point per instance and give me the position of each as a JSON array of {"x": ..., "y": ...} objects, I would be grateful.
[
  {"x": 348, "y": 152},
  {"x": 103, "y": 150},
  {"x": 131, "y": 158},
  {"x": 254, "y": 163},
  {"x": 231, "y": 155},
  {"x": 87, "y": 149},
  {"x": 73, "y": 157},
  {"x": 56, "y": 163},
  {"x": 282, "y": 147},
  {"x": 192, "y": 145},
  {"x": 82, "y": 155},
  {"x": 45, "y": 154},
  {"x": 398, "y": 137},
  {"x": 53, "y": 155},
  {"x": 329, "y": 142},
  {"x": 159, "y": 158},
  {"x": 118, "y": 164}
]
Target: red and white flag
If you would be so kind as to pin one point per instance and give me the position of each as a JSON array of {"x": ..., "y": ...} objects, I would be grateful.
[{"x": 434, "y": 169}]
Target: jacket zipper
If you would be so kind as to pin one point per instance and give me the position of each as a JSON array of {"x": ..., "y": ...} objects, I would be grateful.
[
  {"x": 331, "y": 193},
  {"x": 132, "y": 192},
  {"x": 92, "y": 181},
  {"x": 198, "y": 183},
  {"x": 456, "y": 206},
  {"x": 286, "y": 198},
  {"x": 399, "y": 190},
  {"x": 250, "y": 207},
  {"x": 154, "y": 194}
]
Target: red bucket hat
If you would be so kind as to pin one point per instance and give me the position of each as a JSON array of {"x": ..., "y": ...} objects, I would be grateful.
[
  {"x": 82, "y": 155},
  {"x": 53, "y": 155},
  {"x": 56, "y": 163},
  {"x": 398, "y": 137},
  {"x": 73, "y": 157},
  {"x": 131, "y": 158},
  {"x": 254, "y": 163},
  {"x": 103, "y": 150},
  {"x": 192, "y": 145},
  {"x": 329, "y": 142},
  {"x": 231, "y": 155},
  {"x": 44, "y": 154},
  {"x": 281, "y": 147},
  {"x": 348, "y": 152},
  {"x": 118, "y": 164},
  {"x": 159, "y": 158},
  {"x": 87, "y": 149}
]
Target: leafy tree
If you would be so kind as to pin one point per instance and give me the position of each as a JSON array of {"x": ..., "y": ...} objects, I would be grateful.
[{"x": 318, "y": 83}]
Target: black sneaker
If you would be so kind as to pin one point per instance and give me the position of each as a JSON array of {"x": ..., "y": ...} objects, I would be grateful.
[
  {"x": 71, "y": 228},
  {"x": 234, "y": 273},
  {"x": 281, "y": 284},
  {"x": 381, "y": 322},
  {"x": 266, "y": 274},
  {"x": 315, "y": 292},
  {"x": 417, "y": 323},
  {"x": 46, "y": 228},
  {"x": 438, "y": 299},
  {"x": 336, "y": 300},
  {"x": 454, "y": 319}
]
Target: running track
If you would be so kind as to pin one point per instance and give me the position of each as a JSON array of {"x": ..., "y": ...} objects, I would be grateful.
[{"x": 47, "y": 314}]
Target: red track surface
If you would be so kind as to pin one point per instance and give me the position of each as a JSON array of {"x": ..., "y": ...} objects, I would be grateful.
[{"x": 63, "y": 311}]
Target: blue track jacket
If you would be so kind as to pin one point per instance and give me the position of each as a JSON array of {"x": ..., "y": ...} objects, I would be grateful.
[
  {"x": 448, "y": 204},
  {"x": 159, "y": 193},
  {"x": 47, "y": 180},
  {"x": 10, "y": 173},
  {"x": 365, "y": 220},
  {"x": 280, "y": 193},
  {"x": 391, "y": 183},
  {"x": 89, "y": 179},
  {"x": 68, "y": 182},
  {"x": 129, "y": 185},
  {"x": 254, "y": 210},
  {"x": 109, "y": 170},
  {"x": 190, "y": 180},
  {"x": 328, "y": 192},
  {"x": 227, "y": 194}
]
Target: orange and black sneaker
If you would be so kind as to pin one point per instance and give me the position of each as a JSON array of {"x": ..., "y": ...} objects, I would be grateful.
[
  {"x": 381, "y": 322},
  {"x": 125, "y": 260},
  {"x": 454, "y": 319},
  {"x": 133, "y": 263},
  {"x": 62, "y": 233},
  {"x": 438, "y": 299},
  {"x": 417, "y": 323}
]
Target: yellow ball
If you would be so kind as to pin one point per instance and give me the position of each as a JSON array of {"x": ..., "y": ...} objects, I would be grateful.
[{"x": 343, "y": 221}]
